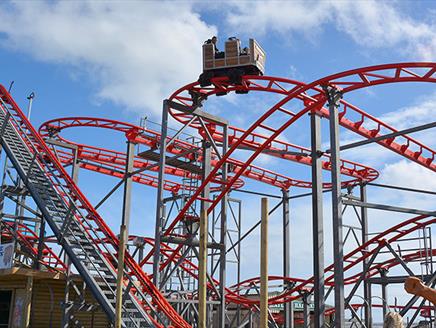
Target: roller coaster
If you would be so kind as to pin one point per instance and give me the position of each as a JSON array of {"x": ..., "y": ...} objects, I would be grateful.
[{"x": 197, "y": 179}]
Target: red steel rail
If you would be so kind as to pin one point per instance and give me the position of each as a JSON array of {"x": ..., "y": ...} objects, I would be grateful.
[
  {"x": 30, "y": 240},
  {"x": 150, "y": 138},
  {"x": 313, "y": 101}
]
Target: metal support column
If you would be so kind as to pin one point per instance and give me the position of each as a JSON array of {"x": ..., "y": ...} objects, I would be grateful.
[
  {"x": 67, "y": 308},
  {"x": 383, "y": 274},
  {"x": 288, "y": 323},
  {"x": 202, "y": 271},
  {"x": 41, "y": 236},
  {"x": 317, "y": 219},
  {"x": 366, "y": 285},
  {"x": 306, "y": 312},
  {"x": 203, "y": 252},
  {"x": 334, "y": 97},
  {"x": 160, "y": 189},
  {"x": 223, "y": 237},
  {"x": 124, "y": 230},
  {"x": 264, "y": 265},
  {"x": 29, "y": 107}
]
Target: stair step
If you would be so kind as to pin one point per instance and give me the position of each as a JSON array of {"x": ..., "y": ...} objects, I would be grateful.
[{"x": 53, "y": 192}]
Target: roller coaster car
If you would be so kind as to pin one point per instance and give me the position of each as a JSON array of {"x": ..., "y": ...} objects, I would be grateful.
[{"x": 233, "y": 63}]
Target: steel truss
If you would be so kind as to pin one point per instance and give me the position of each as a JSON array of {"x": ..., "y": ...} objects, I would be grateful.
[{"x": 204, "y": 173}]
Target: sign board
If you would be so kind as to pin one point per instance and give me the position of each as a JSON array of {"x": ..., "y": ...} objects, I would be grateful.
[
  {"x": 298, "y": 306},
  {"x": 6, "y": 255}
]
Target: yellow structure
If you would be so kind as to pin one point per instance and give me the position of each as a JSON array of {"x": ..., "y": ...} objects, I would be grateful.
[{"x": 32, "y": 298}]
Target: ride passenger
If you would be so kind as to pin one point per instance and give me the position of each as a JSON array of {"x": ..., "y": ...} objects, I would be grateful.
[{"x": 214, "y": 40}]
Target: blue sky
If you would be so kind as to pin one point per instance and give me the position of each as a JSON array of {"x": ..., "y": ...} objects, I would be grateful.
[{"x": 119, "y": 60}]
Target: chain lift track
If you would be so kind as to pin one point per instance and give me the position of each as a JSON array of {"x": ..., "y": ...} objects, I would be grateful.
[{"x": 77, "y": 226}]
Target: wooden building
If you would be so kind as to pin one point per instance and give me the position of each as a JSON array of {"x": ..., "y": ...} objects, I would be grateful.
[{"x": 35, "y": 299}]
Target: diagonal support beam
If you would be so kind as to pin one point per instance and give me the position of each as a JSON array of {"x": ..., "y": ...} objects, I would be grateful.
[
  {"x": 388, "y": 207},
  {"x": 334, "y": 96}
]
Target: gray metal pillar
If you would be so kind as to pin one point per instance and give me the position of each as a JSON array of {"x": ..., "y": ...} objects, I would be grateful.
[
  {"x": 203, "y": 240},
  {"x": 288, "y": 323},
  {"x": 383, "y": 274},
  {"x": 223, "y": 237},
  {"x": 124, "y": 231},
  {"x": 238, "y": 320},
  {"x": 366, "y": 285},
  {"x": 338, "y": 242},
  {"x": 40, "y": 243},
  {"x": 317, "y": 221},
  {"x": 29, "y": 107},
  {"x": 66, "y": 311},
  {"x": 160, "y": 189},
  {"x": 67, "y": 308},
  {"x": 306, "y": 312}
]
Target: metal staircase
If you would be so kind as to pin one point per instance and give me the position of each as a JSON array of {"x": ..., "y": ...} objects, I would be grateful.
[{"x": 84, "y": 236}]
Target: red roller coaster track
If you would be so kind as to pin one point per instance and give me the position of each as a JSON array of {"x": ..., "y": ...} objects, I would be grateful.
[
  {"x": 313, "y": 100},
  {"x": 151, "y": 139}
]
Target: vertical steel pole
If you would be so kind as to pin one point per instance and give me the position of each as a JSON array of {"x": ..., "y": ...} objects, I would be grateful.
[
  {"x": 223, "y": 237},
  {"x": 366, "y": 285},
  {"x": 317, "y": 221},
  {"x": 40, "y": 243},
  {"x": 19, "y": 209},
  {"x": 338, "y": 242},
  {"x": 202, "y": 261},
  {"x": 383, "y": 274},
  {"x": 66, "y": 311},
  {"x": 202, "y": 271},
  {"x": 124, "y": 230},
  {"x": 238, "y": 312},
  {"x": 160, "y": 190},
  {"x": 264, "y": 264},
  {"x": 286, "y": 255},
  {"x": 306, "y": 312},
  {"x": 29, "y": 107}
]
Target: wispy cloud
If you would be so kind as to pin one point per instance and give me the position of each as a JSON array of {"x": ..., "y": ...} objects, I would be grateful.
[
  {"x": 372, "y": 24},
  {"x": 136, "y": 53}
]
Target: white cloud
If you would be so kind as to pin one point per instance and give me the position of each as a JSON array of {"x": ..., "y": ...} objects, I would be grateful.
[
  {"x": 410, "y": 175},
  {"x": 278, "y": 16},
  {"x": 373, "y": 24},
  {"x": 419, "y": 113},
  {"x": 137, "y": 53},
  {"x": 379, "y": 24}
]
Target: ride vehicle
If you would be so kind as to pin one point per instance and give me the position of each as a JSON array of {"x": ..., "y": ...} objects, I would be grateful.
[{"x": 233, "y": 63}]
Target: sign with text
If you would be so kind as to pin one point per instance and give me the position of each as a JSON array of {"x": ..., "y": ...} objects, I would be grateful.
[{"x": 6, "y": 255}]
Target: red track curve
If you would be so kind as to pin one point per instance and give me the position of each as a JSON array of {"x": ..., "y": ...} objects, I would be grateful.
[
  {"x": 151, "y": 139},
  {"x": 366, "y": 77},
  {"x": 314, "y": 100}
]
